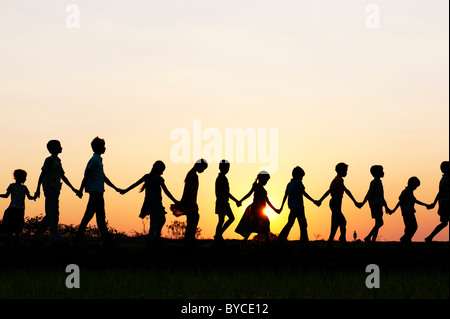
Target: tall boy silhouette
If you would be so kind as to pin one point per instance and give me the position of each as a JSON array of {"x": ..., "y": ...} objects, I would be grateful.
[
  {"x": 50, "y": 179},
  {"x": 94, "y": 183},
  {"x": 337, "y": 190}
]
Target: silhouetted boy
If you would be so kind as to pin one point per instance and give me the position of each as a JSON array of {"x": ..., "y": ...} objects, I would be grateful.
[
  {"x": 295, "y": 191},
  {"x": 406, "y": 203},
  {"x": 375, "y": 196},
  {"x": 50, "y": 179},
  {"x": 443, "y": 197},
  {"x": 14, "y": 217},
  {"x": 94, "y": 183},
  {"x": 337, "y": 190},
  {"x": 222, "y": 200}
]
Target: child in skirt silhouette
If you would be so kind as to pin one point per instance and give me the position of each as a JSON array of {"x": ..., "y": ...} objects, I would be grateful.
[{"x": 254, "y": 220}]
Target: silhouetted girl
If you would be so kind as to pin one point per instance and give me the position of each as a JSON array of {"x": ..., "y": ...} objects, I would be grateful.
[
  {"x": 254, "y": 220},
  {"x": 13, "y": 219},
  {"x": 153, "y": 207}
]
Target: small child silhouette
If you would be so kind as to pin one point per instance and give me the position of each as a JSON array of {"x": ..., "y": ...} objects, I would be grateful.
[
  {"x": 14, "y": 216},
  {"x": 375, "y": 196},
  {"x": 407, "y": 202},
  {"x": 222, "y": 201}
]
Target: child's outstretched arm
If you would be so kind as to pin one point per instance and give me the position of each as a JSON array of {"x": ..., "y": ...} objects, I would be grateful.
[
  {"x": 351, "y": 197},
  {"x": 27, "y": 193},
  {"x": 139, "y": 182},
  {"x": 87, "y": 175},
  {"x": 369, "y": 192},
  {"x": 328, "y": 192},
  {"x": 66, "y": 180},
  {"x": 247, "y": 196},
  {"x": 238, "y": 203},
  {"x": 271, "y": 206},
  {"x": 284, "y": 201},
  {"x": 433, "y": 204},
  {"x": 110, "y": 184},
  {"x": 316, "y": 202},
  {"x": 423, "y": 204},
  {"x": 37, "y": 194},
  {"x": 390, "y": 212},
  {"x": 8, "y": 192},
  {"x": 166, "y": 191}
]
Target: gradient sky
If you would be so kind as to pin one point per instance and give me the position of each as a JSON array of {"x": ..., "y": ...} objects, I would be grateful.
[{"x": 136, "y": 70}]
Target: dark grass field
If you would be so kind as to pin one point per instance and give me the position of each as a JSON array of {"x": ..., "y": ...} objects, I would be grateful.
[{"x": 232, "y": 270}]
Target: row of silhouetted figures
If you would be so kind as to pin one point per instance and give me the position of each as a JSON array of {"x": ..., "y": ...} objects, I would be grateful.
[{"x": 253, "y": 220}]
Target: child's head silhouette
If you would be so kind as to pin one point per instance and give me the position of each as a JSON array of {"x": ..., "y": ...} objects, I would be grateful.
[
  {"x": 54, "y": 147},
  {"x": 20, "y": 176},
  {"x": 158, "y": 168},
  {"x": 201, "y": 165},
  {"x": 377, "y": 171},
  {"x": 224, "y": 166},
  {"x": 445, "y": 167},
  {"x": 98, "y": 145},
  {"x": 342, "y": 169},
  {"x": 263, "y": 177},
  {"x": 413, "y": 182},
  {"x": 298, "y": 172}
]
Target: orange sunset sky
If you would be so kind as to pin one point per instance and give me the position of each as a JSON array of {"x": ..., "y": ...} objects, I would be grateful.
[{"x": 134, "y": 71}]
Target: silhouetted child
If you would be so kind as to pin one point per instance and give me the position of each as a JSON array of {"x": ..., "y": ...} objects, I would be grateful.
[
  {"x": 254, "y": 220},
  {"x": 337, "y": 190},
  {"x": 14, "y": 217},
  {"x": 443, "y": 198},
  {"x": 50, "y": 179},
  {"x": 188, "y": 203},
  {"x": 223, "y": 195},
  {"x": 94, "y": 183},
  {"x": 375, "y": 196},
  {"x": 295, "y": 191},
  {"x": 153, "y": 207},
  {"x": 407, "y": 202}
]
